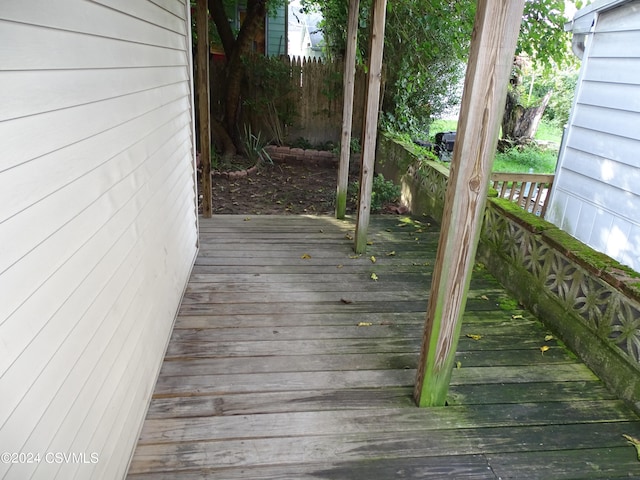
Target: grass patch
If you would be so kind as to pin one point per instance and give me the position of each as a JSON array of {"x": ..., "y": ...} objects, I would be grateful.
[
  {"x": 441, "y": 125},
  {"x": 549, "y": 133},
  {"x": 529, "y": 159}
]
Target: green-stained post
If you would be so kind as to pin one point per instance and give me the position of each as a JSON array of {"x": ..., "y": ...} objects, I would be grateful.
[
  {"x": 497, "y": 24},
  {"x": 374, "y": 81},
  {"x": 347, "y": 109}
]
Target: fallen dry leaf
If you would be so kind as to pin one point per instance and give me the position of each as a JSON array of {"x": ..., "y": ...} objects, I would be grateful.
[
  {"x": 516, "y": 317},
  {"x": 305, "y": 256},
  {"x": 484, "y": 297},
  {"x": 391, "y": 253},
  {"x": 548, "y": 338},
  {"x": 374, "y": 277},
  {"x": 365, "y": 324},
  {"x": 373, "y": 259},
  {"x": 545, "y": 348},
  {"x": 474, "y": 336}
]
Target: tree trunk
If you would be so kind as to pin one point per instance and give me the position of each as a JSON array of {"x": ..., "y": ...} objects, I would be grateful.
[
  {"x": 520, "y": 124},
  {"x": 234, "y": 51},
  {"x": 222, "y": 139}
]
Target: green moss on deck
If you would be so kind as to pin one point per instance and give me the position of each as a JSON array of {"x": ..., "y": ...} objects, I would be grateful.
[
  {"x": 513, "y": 210},
  {"x": 424, "y": 183}
]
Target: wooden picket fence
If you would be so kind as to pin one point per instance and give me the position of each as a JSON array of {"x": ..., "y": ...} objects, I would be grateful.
[{"x": 312, "y": 107}]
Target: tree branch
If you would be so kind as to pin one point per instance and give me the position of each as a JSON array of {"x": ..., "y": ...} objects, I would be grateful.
[{"x": 219, "y": 17}]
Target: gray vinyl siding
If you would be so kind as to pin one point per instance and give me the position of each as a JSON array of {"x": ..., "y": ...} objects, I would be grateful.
[
  {"x": 597, "y": 190},
  {"x": 98, "y": 226}
]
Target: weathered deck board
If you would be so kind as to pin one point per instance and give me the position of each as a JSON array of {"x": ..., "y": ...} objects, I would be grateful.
[{"x": 271, "y": 375}]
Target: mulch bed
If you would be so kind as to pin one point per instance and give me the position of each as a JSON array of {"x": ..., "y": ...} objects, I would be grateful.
[{"x": 279, "y": 188}]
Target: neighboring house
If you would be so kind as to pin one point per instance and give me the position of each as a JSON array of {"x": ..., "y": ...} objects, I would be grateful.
[
  {"x": 270, "y": 41},
  {"x": 276, "y": 27},
  {"x": 305, "y": 36},
  {"x": 596, "y": 193},
  {"x": 98, "y": 225}
]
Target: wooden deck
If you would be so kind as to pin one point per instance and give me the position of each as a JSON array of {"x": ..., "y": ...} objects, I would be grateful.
[{"x": 288, "y": 361}]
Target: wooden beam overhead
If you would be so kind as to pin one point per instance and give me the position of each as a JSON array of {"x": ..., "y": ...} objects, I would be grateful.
[
  {"x": 374, "y": 81},
  {"x": 347, "y": 109},
  {"x": 202, "y": 88},
  {"x": 495, "y": 33}
]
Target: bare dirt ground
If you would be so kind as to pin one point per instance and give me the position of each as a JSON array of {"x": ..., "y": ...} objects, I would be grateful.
[{"x": 279, "y": 188}]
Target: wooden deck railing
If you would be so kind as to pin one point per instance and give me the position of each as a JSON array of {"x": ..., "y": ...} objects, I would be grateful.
[{"x": 529, "y": 190}]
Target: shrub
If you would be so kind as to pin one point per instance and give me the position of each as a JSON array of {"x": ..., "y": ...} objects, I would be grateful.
[{"x": 383, "y": 192}]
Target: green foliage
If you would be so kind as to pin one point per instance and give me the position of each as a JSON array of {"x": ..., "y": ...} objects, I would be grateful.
[
  {"x": 526, "y": 159},
  {"x": 305, "y": 144},
  {"x": 354, "y": 147},
  {"x": 267, "y": 85},
  {"x": 426, "y": 45},
  {"x": 542, "y": 36},
  {"x": 382, "y": 193},
  {"x": 254, "y": 146},
  {"x": 564, "y": 86},
  {"x": 301, "y": 142},
  {"x": 549, "y": 132},
  {"x": 215, "y": 159},
  {"x": 426, "y": 48},
  {"x": 544, "y": 64}
]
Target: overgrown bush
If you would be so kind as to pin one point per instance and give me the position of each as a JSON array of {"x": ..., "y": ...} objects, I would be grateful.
[{"x": 382, "y": 193}]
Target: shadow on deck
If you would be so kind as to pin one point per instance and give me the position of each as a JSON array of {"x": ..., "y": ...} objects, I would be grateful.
[{"x": 283, "y": 366}]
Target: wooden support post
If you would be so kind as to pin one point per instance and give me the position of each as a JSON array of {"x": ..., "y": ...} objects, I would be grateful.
[
  {"x": 374, "y": 81},
  {"x": 202, "y": 87},
  {"x": 493, "y": 44},
  {"x": 347, "y": 109}
]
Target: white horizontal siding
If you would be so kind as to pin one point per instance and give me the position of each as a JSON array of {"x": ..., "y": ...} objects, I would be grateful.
[
  {"x": 623, "y": 18},
  {"x": 620, "y": 45},
  {"x": 596, "y": 194},
  {"x": 615, "y": 95},
  {"x": 612, "y": 148},
  {"x": 616, "y": 175},
  {"x": 60, "y": 89},
  {"x": 608, "y": 70},
  {"x": 31, "y": 47},
  {"x": 97, "y": 221},
  {"x": 620, "y": 123},
  {"x": 174, "y": 6},
  {"x": 102, "y": 19}
]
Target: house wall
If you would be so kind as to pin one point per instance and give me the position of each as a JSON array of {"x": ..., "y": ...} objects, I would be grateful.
[
  {"x": 277, "y": 34},
  {"x": 98, "y": 227},
  {"x": 597, "y": 188}
]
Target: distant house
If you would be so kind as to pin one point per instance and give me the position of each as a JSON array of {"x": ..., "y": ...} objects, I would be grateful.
[
  {"x": 271, "y": 40},
  {"x": 98, "y": 224},
  {"x": 596, "y": 194},
  {"x": 305, "y": 37}
]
